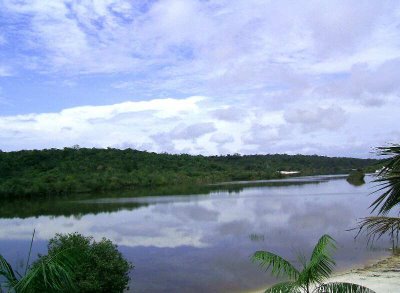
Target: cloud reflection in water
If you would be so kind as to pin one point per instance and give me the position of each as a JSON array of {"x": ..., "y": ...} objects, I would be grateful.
[{"x": 203, "y": 243}]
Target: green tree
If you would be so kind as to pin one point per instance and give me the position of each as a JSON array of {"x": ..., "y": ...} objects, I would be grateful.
[
  {"x": 100, "y": 268},
  {"x": 314, "y": 272},
  {"x": 389, "y": 184},
  {"x": 52, "y": 172},
  {"x": 389, "y": 179}
]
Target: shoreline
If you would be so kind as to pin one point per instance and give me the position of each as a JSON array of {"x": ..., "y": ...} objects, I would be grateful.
[{"x": 381, "y": 275}]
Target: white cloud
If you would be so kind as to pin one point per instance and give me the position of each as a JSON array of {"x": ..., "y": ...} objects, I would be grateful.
[
  {"x": 268, "y": 69},
  {"x": 100, "y": 125},
  {"x": 222, "y": 138},
  {"x": 262, "y": 135},
  {"x": 311, "y": 119},
  {"x": 230, "y": 114},
  {"x": 228, "y": 40},
  {"x": 190, "y": 126},
  {"x": 192, "y": 131}
]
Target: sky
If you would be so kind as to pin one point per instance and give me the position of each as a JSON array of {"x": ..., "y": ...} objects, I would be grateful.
[{"x": 200, "y": 77}]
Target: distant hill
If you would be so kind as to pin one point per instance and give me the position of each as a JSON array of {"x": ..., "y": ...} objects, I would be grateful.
[{"x": 75, "y": 170}]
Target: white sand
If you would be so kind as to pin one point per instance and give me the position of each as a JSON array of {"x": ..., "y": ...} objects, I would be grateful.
[{"x": 382, "y": 276}]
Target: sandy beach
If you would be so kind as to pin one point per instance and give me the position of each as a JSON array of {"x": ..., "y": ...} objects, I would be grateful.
[{"x": 383, "y": 276}]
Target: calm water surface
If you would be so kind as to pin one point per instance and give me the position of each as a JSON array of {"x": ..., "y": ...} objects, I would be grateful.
[{"x": 201, "y": 239}]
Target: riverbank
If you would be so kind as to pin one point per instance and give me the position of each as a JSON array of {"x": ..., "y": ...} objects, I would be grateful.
[
  {"x": 382, "y": 276},
  {"x": 71, "y": 171}
]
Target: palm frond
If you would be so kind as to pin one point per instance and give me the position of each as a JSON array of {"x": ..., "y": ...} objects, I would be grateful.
[
  {"x": 375, "y": 227},
  {"x": 341, "y": 288},
  {"x": 321, "y": 262},
  {"x": 279, "y": 265},
  {"x": 389, "y": 177},
  {"x": 318, "y": 269},
  {"x": 7, "y": 272},
  {"x": 325, "y": 245},
  {"x": 302, "y": 259},
  {"x": 54, "y": 272},
  {"x": 391, "y": 195},
  {"x": 284, "y": 287},
  {"x": 393, "y": 151}
]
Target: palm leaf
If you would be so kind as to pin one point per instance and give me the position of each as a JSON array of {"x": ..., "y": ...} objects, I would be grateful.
[
  {"x": 391, "y": 150},
  {"x": 341, "y": 288},
  {"x": 54, "y": 272},
  {"x": 7, "y": 272},
  {"x": 391, "y": 196},
  {"x": 325, "y": 246},
  {"x": 279, "y": 265},
  {"x": 389, "y": 178},
  {"x": 318, "y": 270},
  {"x": 375, "y": 227},
  {"x": 321, "y": 263},
  {"x": 285, "y": 287}
]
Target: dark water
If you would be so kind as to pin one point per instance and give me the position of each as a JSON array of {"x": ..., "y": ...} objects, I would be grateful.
[{"x": 200, "y": 239}]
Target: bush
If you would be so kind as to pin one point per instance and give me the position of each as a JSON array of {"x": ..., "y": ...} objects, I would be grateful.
[
  {"x": 356, "y": 177},
  {"x": 101, "y": 267}
]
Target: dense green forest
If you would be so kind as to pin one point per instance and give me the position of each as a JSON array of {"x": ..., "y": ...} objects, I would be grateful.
[
  {"x": 80, "y": 204},
  {"x": 32, "y": 173}
]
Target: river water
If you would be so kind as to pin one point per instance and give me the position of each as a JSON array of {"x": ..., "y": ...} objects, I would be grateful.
[{"x": 199, "y": 239}]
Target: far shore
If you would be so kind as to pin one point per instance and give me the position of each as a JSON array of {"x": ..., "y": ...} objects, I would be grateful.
[{"x": 382, "y": 276}]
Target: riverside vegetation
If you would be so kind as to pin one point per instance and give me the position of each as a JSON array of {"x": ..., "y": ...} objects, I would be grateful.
[
  {"x": 74, "y": 263},
  {"x": 35, "y": 173},
  {"x": 313, "y": 274},
  {"x": 356, "y": 177}
]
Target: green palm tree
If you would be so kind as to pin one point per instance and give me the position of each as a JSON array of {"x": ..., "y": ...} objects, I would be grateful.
[
  {"x": 389, "y": 183},
  {"x": 313, "y": 273},
  {"x": 389, "y": 179}
]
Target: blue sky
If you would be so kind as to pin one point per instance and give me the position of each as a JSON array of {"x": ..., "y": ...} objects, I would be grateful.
[{"x": 200, "y": 77}]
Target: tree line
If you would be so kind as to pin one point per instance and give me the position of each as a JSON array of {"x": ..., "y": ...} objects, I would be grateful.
[{"x": 49, "y": 172}]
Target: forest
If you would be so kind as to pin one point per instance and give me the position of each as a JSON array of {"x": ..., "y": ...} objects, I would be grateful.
[{"x": 52, "y": 172}]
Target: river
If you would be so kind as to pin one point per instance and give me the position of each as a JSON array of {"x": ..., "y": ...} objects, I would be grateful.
[{"x": 200, "y": 239}]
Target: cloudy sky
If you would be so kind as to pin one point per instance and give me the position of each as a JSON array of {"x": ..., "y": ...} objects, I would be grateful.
[{"x": 200, "y": 77}]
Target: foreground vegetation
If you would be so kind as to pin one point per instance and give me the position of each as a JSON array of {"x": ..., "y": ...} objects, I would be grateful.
[
  {"x": 388, "y": 199},
  {"x": 313, "y": 274},
  {"x": 78, "y": 170},
  {"x": 74, "y": 263}
]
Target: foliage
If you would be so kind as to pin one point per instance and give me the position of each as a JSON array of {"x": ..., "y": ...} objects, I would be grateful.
[
  {"x": 356, "y": 177},
  {"x": 389, "y": 179},
  {"x": 101, "y": 267},
  {"x": 314, "y": 272},
  {"x": 50, "y": 172},
  {"x": 74, "y": 263},
  {"x": 389, "y": 185},
  {"x": 376, "y": 227},
  {"x": 54, "y": 274}
]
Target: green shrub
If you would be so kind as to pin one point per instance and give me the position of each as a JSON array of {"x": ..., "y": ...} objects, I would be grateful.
[{"x": 101, "y": 267}]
